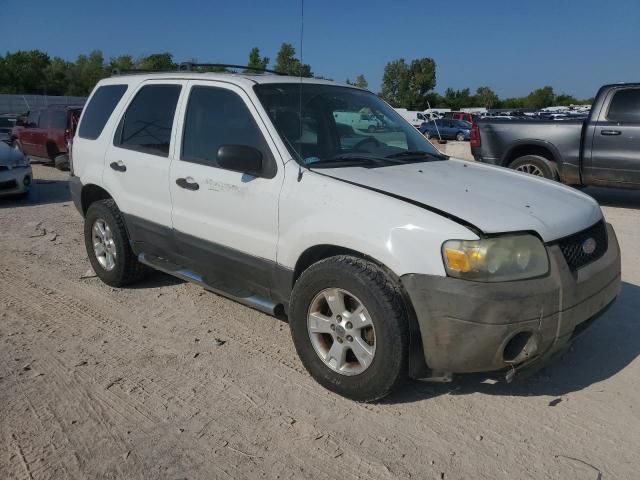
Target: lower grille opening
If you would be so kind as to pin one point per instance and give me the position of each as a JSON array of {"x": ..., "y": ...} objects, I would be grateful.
[{"x": 522, "y": 346}]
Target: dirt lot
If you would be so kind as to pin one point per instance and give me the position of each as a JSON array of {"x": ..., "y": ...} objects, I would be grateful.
[{"x": 165, "y": 380}]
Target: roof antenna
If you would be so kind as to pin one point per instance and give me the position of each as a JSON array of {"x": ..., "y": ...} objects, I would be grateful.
[{"x": 300, "y": 74}]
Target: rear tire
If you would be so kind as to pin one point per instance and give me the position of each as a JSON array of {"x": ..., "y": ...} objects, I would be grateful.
[
  {"x": 116, "y": 265},
  {"x": 536, "y": 165},
  {"x": 367, "y": 289},
  {"x": 460, "y": 137}
]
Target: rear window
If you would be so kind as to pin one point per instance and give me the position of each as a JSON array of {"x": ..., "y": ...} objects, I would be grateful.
[
  {"x": 625, "y": 106},
  {"x": 146, "y": 125},
  {"x": 99, "y": 110}
]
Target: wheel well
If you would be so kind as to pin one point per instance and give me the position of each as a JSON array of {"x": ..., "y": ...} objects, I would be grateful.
[
  {"x": 523, "y": 150},
  {"x": 417, "y": 364},
  {"x": 90, "y": 194},
  {"x": 320, "y": 252}
]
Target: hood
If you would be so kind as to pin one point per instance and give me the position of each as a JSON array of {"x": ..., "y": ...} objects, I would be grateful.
[
  {"x": 10, "y": 157},
  {"x": 493, "y": 199}
]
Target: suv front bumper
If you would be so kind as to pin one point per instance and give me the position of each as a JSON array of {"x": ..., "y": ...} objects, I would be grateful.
[{"x": 477, "y": 327}]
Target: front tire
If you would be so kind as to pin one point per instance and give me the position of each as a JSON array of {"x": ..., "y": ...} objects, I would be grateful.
[
  {"x": 535, "y": 165},
  {"x": 108, "y": 247},
  {"x": 349, "y": 325}
]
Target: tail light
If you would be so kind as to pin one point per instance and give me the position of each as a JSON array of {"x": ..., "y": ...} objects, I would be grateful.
[{"x": 475, "y": 136}]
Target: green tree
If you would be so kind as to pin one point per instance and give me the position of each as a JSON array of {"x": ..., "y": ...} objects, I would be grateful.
[
  {"x": 409, "y": 85},
  {"x": 123, "y": 62},
  {"x": 85, "y": 73},
  {"x": 395, "y": 83},
  {"x": 457, "y": 99},
  {"x": 157, "y": 61},
  {"x": 540, "y": 98},
  {"x": 55, "y": 77},
  {"x": 256, "y": 61},
  {"x": 566, "y": 100},
  {"x": 359, "y": 82},
  {"x": 485, "y": 97},
  {"x": 22, "y": 72},
  {"x": 288, "y": 64}
]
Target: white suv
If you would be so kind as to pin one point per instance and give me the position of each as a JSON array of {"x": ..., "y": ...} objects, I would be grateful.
[{"x": 389, "y": 259}]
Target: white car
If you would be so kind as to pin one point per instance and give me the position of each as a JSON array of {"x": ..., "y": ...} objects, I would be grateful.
[
  {"x": 15, "y": 172},
  {"x": 389, "y": 259}
]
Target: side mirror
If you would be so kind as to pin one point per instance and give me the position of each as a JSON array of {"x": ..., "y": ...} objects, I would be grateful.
[{"x": 240, "y": 158}]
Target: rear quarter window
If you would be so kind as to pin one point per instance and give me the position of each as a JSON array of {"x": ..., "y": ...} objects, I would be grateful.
[{"x": 99, "y": 110}]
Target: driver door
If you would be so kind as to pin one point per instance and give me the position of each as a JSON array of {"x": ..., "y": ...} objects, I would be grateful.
[{"x": 225, "y": 222}]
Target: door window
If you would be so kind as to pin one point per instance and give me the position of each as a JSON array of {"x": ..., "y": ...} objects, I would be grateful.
[
  {"x": 625, "y": 106},
  {"x": 216, "y": 117},
  {"x": 58, "y": 119},
  {"x": 147, "y": 123},
  {"x": 33, "y": 119}
]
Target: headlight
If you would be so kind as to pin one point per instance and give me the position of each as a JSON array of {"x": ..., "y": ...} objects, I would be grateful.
[
  {"x": 21, "y": 161},
  {"x": 497, "y": 259}
]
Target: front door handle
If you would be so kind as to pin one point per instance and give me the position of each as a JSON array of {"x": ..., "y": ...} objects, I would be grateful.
[
  {"x": 118, "y": 166},
  {"x": 188, "y": 183},
  {"x": 610, "y": 132}
]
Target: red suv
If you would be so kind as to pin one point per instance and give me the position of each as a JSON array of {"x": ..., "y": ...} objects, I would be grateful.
[
  {"x": 46, "y": 134},
  {"x": 467, "y": 117}
]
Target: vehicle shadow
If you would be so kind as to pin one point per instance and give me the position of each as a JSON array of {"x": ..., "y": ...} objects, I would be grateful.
[
  {"x": 604, "y": 349},
  {"x": 156, "y": 279},
  {"x": 615, "y": 197},
  {"x": 42, "y": 192}
]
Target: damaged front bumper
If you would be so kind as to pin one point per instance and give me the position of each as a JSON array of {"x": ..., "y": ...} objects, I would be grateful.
[{"x": 480, "y": 327}]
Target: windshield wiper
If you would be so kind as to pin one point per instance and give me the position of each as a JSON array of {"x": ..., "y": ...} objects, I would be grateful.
[
  {"x": 349, "y": 158},
  {"x": 415, "y": 153}
]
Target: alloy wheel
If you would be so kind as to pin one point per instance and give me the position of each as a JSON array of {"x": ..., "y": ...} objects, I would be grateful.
[
  {"x": 341, "y": 331},
  {"x": 530, "y": 169},
  {"x": 104, "y": 246}
]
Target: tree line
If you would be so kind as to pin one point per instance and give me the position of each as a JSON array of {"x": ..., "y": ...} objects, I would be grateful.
[
  {"x": 35, "y": 72},
  {"x": 404, "y": 84}
]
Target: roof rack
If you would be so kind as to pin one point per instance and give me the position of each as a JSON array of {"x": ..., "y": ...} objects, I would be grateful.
[{"x": 191, "y": 66}]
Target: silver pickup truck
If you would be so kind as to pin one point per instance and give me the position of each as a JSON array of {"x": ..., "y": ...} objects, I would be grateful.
[{"x": 603, "y": 150}]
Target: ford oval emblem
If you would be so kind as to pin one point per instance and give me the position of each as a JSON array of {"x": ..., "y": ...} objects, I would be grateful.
[{"x": 589, "y": 246}]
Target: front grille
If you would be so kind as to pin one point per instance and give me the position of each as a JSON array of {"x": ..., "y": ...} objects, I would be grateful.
[
  {"x": 573, "y": 247},
  {"x": 9, "y": 185}
]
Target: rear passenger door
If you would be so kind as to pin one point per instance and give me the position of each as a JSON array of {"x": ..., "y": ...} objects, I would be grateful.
[
  {"x": 225, "y": 222},
  {"x": 137, "y": 165},
  {"x": 615, "y": 150}
]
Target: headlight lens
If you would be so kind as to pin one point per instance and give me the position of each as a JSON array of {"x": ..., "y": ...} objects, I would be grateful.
[{"x": 497, "y": 259}]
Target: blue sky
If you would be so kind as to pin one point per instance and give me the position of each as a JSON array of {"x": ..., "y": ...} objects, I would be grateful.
[{"x": 513, "y": 46}]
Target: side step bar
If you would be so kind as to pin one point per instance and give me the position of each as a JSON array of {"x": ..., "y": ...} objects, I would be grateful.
[{"x": 253, "y": 301}]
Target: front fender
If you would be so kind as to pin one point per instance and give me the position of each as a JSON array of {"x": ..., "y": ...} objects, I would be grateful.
[{"x": 320, "y": 210}]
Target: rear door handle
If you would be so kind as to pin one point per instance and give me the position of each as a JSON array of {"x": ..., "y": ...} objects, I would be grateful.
[
  {"x": 118, "y": 166},
  {"x": 188, "y": 183},
  {"x": 610, "y": 132}
]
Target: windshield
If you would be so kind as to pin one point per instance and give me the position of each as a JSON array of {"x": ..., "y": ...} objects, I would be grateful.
[{"x": 333, "y": 126}]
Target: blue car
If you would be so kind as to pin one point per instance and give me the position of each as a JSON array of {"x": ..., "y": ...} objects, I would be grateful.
[{"x": 447, "y": 128}]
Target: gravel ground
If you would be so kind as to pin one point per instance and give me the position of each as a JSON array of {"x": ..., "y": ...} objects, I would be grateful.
[{"x": 165, "y": 380}]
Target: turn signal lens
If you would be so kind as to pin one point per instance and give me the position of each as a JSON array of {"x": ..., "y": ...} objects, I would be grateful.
[{"x": 457, "y": 260}]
